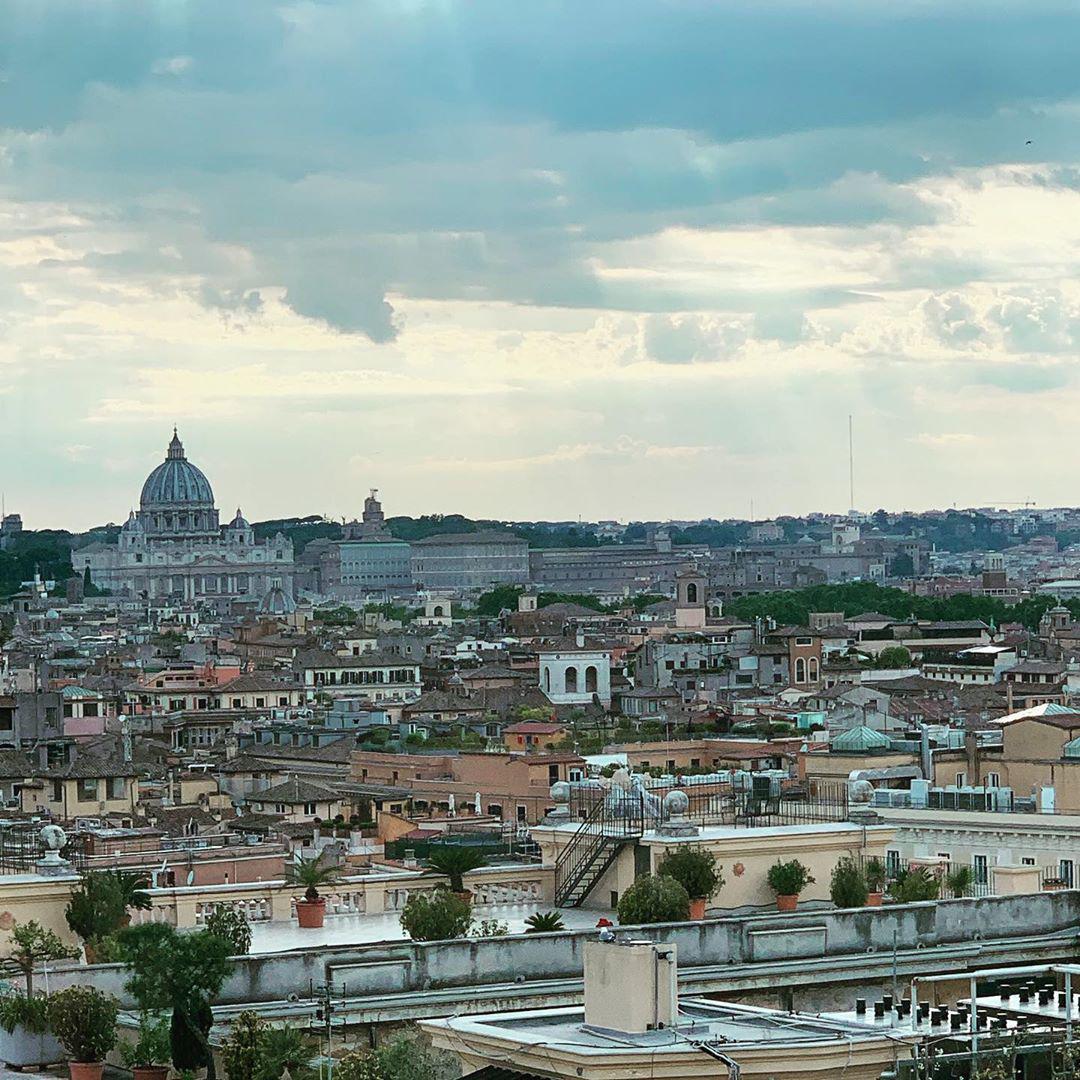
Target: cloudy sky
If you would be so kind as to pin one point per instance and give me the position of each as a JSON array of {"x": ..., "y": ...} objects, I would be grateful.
[{"x": 610, "y": 258}]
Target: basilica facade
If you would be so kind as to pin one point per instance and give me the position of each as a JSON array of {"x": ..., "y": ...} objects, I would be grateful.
[{"x": 175, "y": 548}]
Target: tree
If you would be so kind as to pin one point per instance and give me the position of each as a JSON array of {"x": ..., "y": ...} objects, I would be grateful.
[
  {"x": 455, "y": 860},
  {"x": 894, "y": 657},
  {"x": 436, "y": 916},
  {"x": 311, "y": 873},
  {"x": 848, "y": 885},
  {"x": 231, "y": 924},
  {"x": 256, "y": 1051},
  {"x": 33, "y": 944},
  {"x": 181, "y": 974},
  {"x": 654, "y": 900},
  {"x": 97, "y": 906},
  {"x": 84, "y": 1020}
]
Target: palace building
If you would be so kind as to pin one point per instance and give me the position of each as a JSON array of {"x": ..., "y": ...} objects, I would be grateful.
[{"x": 174, "y": 547}]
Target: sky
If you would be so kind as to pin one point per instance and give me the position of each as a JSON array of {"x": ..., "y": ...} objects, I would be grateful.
[{"x": 632, "y": 259}]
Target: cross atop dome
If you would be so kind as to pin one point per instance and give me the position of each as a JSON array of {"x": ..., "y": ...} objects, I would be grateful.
[{"x": 176, "y": 447}]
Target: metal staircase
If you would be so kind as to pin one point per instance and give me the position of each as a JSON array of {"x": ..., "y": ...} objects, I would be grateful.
[{"x": 593, "y": 848}]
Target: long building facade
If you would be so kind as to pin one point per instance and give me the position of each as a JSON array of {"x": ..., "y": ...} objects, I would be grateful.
[{"x": 174, "y": 546}]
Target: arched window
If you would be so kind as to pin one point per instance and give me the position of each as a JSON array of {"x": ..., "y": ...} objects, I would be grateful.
[
  {"x": 571, "y": 680},
  {"x": 547, "y": 680},
  {"x": 800, "y": 670},
  {"x": 437, "y": 611},
  {"x": 813, "y": 669},
  {"x": 691, "y": 593},
  {"x": 590, "y": 679}
]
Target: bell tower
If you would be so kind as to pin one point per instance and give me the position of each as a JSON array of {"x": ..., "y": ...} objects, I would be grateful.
[{"x": 690, "y": 586}]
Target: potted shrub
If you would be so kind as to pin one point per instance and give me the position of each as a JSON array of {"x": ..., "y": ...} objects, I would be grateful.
[
  {"x": 960, "y": 880},
  {"x": 149, "y": 1056},
  {"x": 876, "y": 873},
  {"x": 913, "y": 885},
  {"x": 84, "y": 1020},
  {"x": 654, "y": 900},
  {"x": 311, "y": 873},
  {"x": 847, "y": 888},
  {"x": 544, "y": 922},
  {"x": 455, "y": 860},
  {"x": 787, "y": 880},
  {"x": 696, "y": 870},
  {"x": 231, "y": 924},
  {"x": 436, "y": 916},
  {"x": 25, "y": 1038}
]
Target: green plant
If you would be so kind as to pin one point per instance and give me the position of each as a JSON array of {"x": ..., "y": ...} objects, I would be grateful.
[
  {"x": 402, "y": 1058},
  {"x": 241, "y": 1051},
  {"x": 960, "y": 880},
  {"x": 544, "y": 922},
  {"x": 256, "y": 1051},
  {"x": 152, "y": 1045},
  {"x": 312, "y": 872},
  {"x": 97, "y": 907},
  {"x": 84, "y": 1020},
  {"x": 489, "y": 928},
  {"x": 789, "y": 878},
  {"x": 695, "y": 869},
  {"x": 654, "y": 900},
  {"x": 132, "y": 886},
  {"x": 32, "y": 944},
  {"x": 455, "y": 860},
  {"x": 436, "y": 916},
  {"x": 181, "y": 973},
  {"x": 913, "y": 885},
  {"x": 29, "y": 1011},
  {"x": 876, "y": 873},
  {"x": 848, "y": 885},
  {"x": 231, "y": 924}
]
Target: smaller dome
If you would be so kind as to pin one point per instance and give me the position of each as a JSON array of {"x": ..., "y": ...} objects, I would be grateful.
[
  {"x": 277, "y": 601},
  {"x": 133, "y": 524},
  {"x": 859, "y": 740},
  {"x": 239, "y": 522}
]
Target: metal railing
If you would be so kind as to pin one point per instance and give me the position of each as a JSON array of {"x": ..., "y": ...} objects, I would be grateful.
[
  {"x": 610, "y": 819},
  {"x": 21, "y": 848}
]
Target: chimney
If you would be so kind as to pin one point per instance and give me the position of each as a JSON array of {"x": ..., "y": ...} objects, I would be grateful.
[{"x": 612, "y": 967}]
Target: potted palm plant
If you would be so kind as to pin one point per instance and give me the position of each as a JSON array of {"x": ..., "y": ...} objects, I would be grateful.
[
  {"x": 787, "y": 880},
  {"x": 84, "y": 1020},
  {"x": 960, "y": 881},
  {"x": 876, "y": 873},
  {"x": 150, "y": 1055},
  {"x": 25, "y": 1038},
  {"x": 696, "y": 870},
  {"x": 311, "y": 872},
  {"x": 455, "y": 861}
]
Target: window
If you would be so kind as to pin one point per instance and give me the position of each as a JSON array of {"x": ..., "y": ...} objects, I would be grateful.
[
  {"x": 117, "y": 787},
  {"x": 309, "y": 809},
  {"x": 553, "y": 773},
  {"x": 993, "y": 779},
  {"x": 804, "y": 641},
  {"x": 57, "y": 791},
  {"x": 892, "y": 862},
  {"x": 522, "y": 812},
  {"x": 800, "y": 670},
  {"x": 571, "y": 680},
  {"x": 1027, "y": 860},
  {"x": 279, "y": 808},
  {"x": 980, "y": 864},
  {"x": 1065, "y": 872},
  {"x": 960, "y": 780},
  {"x": 88, "y": 790}
]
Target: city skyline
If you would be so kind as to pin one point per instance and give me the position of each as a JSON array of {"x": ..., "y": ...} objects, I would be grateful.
[{"x": 540, "y": 262}]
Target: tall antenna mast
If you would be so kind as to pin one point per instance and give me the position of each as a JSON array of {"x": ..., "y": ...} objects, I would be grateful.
[{"x": 851, "y": 462}]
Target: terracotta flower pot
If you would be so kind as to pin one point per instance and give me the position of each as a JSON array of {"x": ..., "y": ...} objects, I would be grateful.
[
  {"x": 310, "y": 913},
  {"x": 873, "y": 899},
  {"x": 86, "y": 1070},
  {"x": 786, "y": 903},
  {"x": 150, "y": 1072},
  {"x": 697, "y": 908}
]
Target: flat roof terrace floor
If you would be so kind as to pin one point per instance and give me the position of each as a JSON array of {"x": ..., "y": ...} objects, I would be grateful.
[{"x": 363, "y": 929}]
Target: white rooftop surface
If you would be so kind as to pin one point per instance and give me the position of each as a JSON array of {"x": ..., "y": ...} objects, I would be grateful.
[
  {"x": 731, "y": 1026},
  {"x": 268, "y": 937}
]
